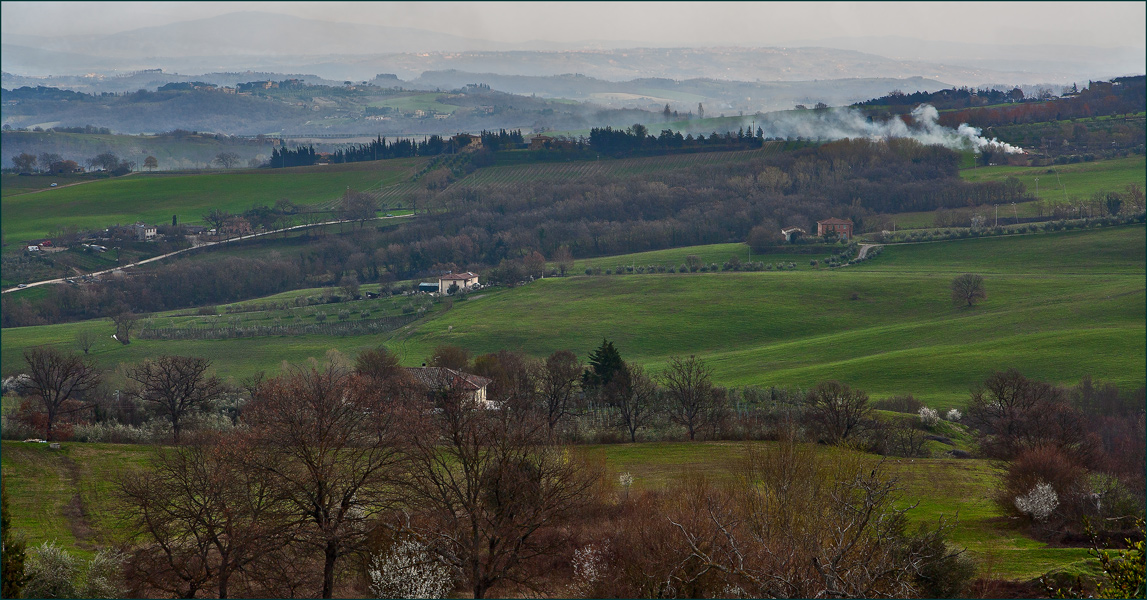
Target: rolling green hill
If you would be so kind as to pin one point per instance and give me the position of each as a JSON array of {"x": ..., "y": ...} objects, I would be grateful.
[
  {"x": 1059, "y": 306},
  {"x": 154, "y": 198}
]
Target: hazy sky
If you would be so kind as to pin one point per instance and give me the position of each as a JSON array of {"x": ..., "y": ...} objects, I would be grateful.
[{"x": 687, "y": 23}]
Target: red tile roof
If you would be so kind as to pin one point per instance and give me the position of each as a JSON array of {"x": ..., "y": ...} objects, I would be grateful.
[
  {"x": 458, "y": 276},
  {"x": 440, "y": 377},
  {"x": 834, "y": 221}
]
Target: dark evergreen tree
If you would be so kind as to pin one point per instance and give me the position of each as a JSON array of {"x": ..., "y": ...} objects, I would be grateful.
[{"x": 604, "y": 363}]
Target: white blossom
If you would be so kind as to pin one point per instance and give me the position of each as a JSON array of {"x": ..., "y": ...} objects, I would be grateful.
[
  {"x": 588, "y": 567},
  {"x": 1039, "y": 503},
  {"x": 954, "y": 415},
  {"x": 929, "y": 416},
  {"x": 626, "y": 480},
  {"x": 407, "y": 570}
]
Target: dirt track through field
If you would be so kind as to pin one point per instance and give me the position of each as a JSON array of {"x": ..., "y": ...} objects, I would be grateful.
[{"x": 75, "y": 511}]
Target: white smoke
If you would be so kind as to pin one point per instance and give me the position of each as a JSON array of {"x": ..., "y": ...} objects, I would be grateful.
[{"x": 841, "y": 123}]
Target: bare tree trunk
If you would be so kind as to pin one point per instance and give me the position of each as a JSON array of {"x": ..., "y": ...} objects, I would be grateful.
[{"x": 331, "y": 553}]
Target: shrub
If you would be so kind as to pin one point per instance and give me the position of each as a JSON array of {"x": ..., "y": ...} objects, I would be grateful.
[
  {"x": 929, "y": 417},
  {"x": 51, "y": 572},
  {"x": 208, "y": 310},
  {"x": 903, "y": 404},
  {"x": 954, "y": 415},
  {"x": 589, "y": 270}
]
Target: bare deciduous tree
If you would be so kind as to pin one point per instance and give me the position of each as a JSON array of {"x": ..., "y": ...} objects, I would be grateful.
[
  {"x": 58, "y": 381},
  {"x": 205, "y": 515},
  {"x": 837, "y": 410},
  {"x": 176, "y": 385},
  {"x": 85, "y": 340},
  {"x": 692, "y": 402},
  {"x": 968, "y": 289},
  {"x": 484, "y": 483},
  {"x": 358, "y": 206},
  {"x": 564, "y": 258},
  {"x": 125, "y": 323},
  {"x": 329, "y": 440},
  {"x": 634, "y": 395},
  {"x": 558, "y": 380},
  {"x": 227, "y": 160},
  {"x": 800, "y": 524}
]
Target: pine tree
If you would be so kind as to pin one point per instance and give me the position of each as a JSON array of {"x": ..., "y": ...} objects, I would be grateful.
[{"x": 604, "y": 363}]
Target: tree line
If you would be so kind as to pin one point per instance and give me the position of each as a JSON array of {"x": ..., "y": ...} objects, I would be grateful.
[{"x": 636, "y": 139}]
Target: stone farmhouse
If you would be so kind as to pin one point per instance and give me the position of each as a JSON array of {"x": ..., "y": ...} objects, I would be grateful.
[
  {"x": 440, "y": 379},
  {"x": 840, "y": 227},
  {"x": 465, "y": 281}
]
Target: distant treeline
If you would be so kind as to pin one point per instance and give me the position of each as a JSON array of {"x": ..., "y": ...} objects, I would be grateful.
[
  {"x": 964, "y": 97},
  {"x": 1121, "y": 95},
  {"x": 635, "y": 139},
  {"x": 380, "y": 149}
]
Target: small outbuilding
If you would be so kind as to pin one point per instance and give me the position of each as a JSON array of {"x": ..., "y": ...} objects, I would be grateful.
[{"x": 792, "y": 233}]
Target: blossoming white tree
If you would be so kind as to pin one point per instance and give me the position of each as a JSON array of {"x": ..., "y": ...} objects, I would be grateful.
[
  {"x": 1039, "y": 503},
  {"x": 408, "y": 571},
  {"x": 930, "y": 417}
]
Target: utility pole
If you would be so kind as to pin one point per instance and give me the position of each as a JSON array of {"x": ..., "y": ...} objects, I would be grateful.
[{"x": 997, "y": 207}]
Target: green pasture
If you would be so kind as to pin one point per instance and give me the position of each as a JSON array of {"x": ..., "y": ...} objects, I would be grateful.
[
  {"x": 155, "y": 198},
  {"x": 68, "y": 495},
  {"x": 1081, "y": 180},
  {"x": 1078, "y": 180},
  {"x": 709, "y": 254},
  {"x": 1060, "y": 306}
]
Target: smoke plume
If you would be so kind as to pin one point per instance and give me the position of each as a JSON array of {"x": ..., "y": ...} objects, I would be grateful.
[{"x": 841, "y": 123}]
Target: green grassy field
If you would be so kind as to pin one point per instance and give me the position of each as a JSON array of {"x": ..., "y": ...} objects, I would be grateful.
[
  {"x": 68, "y": 495},
  {"x": 1059, "y": 306},
  {"x": 1079, "y": 180},
  {"x": 155, "y": 198},
  {"x": 675, "y": 257}
]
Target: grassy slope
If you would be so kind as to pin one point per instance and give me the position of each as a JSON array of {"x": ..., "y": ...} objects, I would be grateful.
[
  {"x": 154, "y": 198},
  {"x": 1079, "y": 179},
  {"x": 42, "y": 484},
  {"x": 67, "y": 495},
  {"x": 1059, "y": 306}
]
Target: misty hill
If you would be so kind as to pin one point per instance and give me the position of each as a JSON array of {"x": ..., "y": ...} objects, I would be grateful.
[
  {"x": 345, "y": 51},
  {"x": 294, "y": 108},
  {"x": 653, "y": 93}
]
